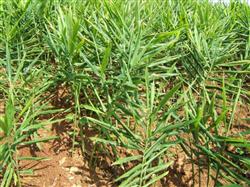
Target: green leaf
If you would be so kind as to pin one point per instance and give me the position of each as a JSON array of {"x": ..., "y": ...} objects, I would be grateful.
[
  {"x": 127, "y": 159},
  {"x": 105, "y": 60},
  {"x": 167, "y": 97},
  {"x": 91, "y": 108},
  {"x": 232, "y": 185},
  {"x": 9, "y": 116},
  {"x": 100, "y": 140}
]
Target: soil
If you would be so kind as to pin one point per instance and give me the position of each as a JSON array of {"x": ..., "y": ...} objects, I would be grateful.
[
  {"x": 71, "y": 169},
  {"x": 63, "y": 167},
  {"x": 66, "y": 168}
]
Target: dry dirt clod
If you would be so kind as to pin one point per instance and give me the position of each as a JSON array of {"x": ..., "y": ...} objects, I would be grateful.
[
  {"x": 76, "y": 185},
  {"x": 62, "y": 161},
  {"x": 73, "y": 170}
]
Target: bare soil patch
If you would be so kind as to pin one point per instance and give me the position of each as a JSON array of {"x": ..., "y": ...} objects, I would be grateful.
[
  {"x": 68, "y": 168},
  {"x": 63, "y": 167}
]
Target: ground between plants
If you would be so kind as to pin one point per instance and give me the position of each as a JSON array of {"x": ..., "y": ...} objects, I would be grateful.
[{"x": 124, "y": 93}]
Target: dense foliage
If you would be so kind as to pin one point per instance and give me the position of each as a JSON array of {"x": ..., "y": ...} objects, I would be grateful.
[{"x": 147, "y": 75}]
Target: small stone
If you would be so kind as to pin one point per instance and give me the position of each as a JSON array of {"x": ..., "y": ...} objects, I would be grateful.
[
  {"x": 230, "y": 148},
  {"x": 76, "y": 185},
  {"x": 91, "y": 185},
  {"x": 74, "y": 170},
  {"x": 62, "y": 161}
]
